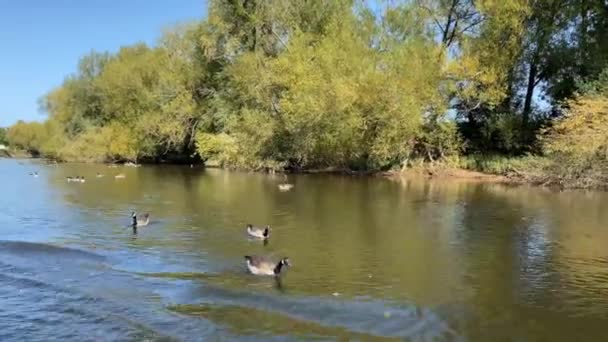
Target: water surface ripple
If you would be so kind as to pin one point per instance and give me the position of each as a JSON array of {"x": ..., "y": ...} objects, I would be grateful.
[{"x": 373, "y": 259}]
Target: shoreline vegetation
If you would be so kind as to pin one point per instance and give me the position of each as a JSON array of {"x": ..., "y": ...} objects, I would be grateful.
[
  {"x": 531, "y": 170},
  {"x": 501, "y": 174},
  {"x": 517, "y": 89}
]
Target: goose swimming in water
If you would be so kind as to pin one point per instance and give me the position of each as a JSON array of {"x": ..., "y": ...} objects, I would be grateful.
[
  {"x": 119, "y": 176},
  {"x": 259, "y": 265},
  {"x": 137, "y": 223},
  {"x": 285, "y": 187},
  {"x": 99, "y": 175},
  {"x": 258, "y": 232}
]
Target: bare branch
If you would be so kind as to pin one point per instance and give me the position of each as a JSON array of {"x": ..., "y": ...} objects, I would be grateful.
[
  {"x": 446, "y": 30},
  {"x": 451, "y": 39},
  {"x": 439, "y": 26},
  {"x": 471, "y": 25}
]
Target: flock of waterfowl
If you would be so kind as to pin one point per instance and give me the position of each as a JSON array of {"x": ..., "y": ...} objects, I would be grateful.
[
  {"x": 78, "y": 179},
  {"x": 257, "y": 265},
  {"x": 81, "y": 179}
]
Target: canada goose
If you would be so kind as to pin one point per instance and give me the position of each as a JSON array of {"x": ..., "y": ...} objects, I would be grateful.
[
  {"x": 259, "y": 265},
  {"x": 35, "y": 174},
  {"x": 120, "y": 176},
  {"x": 138, "y": 223},
  {"x": 258, "y": 232},
  {"x": 285, "y": 187},
  {"x": 99, "y": 175},
  {"x": 69, "y": 179}
]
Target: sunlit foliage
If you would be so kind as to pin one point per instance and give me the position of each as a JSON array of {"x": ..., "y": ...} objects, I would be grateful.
[
  {"x": 333, "y": 83},
  {"x": 3, "y": 139},
  {"x": 578, "y": 142}
]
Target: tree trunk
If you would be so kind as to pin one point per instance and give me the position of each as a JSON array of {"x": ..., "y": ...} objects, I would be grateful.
[
  {"x": 448, "y": 26},
  {"x": 530, "y": 91},
  {"x": 505, "y": 104}
]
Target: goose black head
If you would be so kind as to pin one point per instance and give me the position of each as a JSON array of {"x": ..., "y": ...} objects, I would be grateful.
[
  {"x": 267, "y": 231},
  {"x": 283, "y": 263}
]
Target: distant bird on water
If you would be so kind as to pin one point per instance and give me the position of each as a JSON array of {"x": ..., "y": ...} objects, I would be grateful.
[
  {"x": 258, "y": 233},
  {"x": 285, "y": 187},
  {"x": 77, "y": 179},
  {"x": 136, "y": 223}
]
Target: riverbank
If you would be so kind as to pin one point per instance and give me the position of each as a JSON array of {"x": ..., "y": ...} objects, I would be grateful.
[
  {"x": 533, "y": 170},
  {"x": 526, "y": 170},
  {"x": 16, "y": 154},
  {"x": 452, "y": 173},
  {"x": 462, "y": 169}
]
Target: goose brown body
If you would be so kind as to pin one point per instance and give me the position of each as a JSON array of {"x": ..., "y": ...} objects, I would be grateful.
[
  {"x": 260, "y": 265},
  {"x": 259, "y": 233},
  {"x": 137, "y": 223}
]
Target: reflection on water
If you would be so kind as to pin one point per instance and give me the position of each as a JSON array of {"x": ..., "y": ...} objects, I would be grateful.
[{"x": 373, "y": 258}]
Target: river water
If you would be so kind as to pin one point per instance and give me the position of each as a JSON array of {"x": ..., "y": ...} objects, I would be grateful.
[{"x": 372, "y": 259}]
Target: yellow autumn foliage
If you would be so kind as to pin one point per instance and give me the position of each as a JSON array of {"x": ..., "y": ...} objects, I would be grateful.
[{"x": 582, "y": 134}]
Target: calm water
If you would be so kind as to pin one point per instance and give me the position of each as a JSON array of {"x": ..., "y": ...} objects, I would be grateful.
[{"x": 373, "y": 259}]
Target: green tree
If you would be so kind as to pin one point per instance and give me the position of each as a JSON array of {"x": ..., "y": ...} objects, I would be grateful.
[
  {"x": 3, "y": 138},
  {"x": 332, "y": 83},
  {"x": 28, "y": 136},
  {"x": 577, "y": 143}
]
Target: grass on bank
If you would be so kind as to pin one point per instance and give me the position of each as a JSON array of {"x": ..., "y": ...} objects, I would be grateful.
[{"x": 538, "y": 170}]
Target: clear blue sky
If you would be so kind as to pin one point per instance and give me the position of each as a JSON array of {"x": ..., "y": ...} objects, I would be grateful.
[{"x": 42, "y": 40}]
